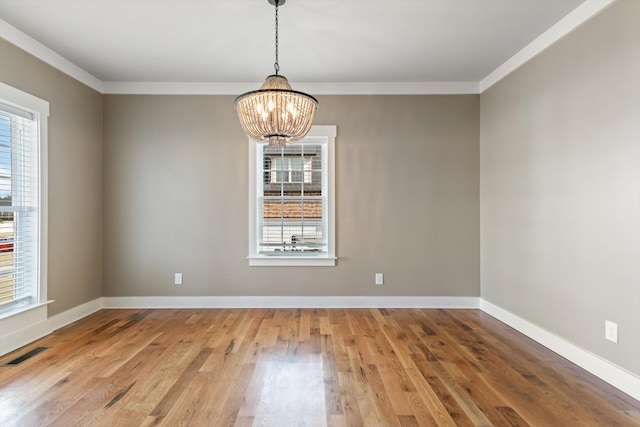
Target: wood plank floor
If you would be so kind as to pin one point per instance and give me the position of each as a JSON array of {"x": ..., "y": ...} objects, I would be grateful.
[{"x": 301, "y": 367}]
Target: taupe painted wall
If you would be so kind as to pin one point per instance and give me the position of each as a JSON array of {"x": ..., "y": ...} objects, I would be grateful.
[
  {"x": 75, "y": 176},
  {"x": 560, "y": 191},
  {"x": 560, "y": 187},
  {"x": 175, "y": 200}
]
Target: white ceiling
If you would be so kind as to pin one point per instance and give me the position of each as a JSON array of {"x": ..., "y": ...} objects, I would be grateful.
[{"x": 320, "y": 40}]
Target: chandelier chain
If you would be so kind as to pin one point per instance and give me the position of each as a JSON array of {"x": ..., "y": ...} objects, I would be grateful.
[
  {"x": 275, "y": 113},
  {"x": 276, "y": 66}
]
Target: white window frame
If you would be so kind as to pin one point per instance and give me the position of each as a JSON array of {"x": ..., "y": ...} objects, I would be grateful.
[
  {"x": 25, "y": 323},
  {"x": 325, "y": 134}
]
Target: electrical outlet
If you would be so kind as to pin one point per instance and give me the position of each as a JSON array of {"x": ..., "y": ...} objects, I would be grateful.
[
  {"x": 178, "y": 279},
  {"x": 611, "y": 331},
  {"x": 379, "y": 279}
]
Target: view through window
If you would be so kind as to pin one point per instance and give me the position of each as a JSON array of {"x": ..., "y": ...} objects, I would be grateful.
[
  {"x": 292, "y": 199},
  {"x": 19, "y": 211}
]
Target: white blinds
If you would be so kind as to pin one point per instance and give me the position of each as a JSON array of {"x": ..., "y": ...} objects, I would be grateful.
[{"x": 18, "y": 206}]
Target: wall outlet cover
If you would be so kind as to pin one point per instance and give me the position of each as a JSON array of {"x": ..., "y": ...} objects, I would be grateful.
[
  {"x": 611, "y": 331},
  {"x": 379, "y": 279},
  {"x": 178, "y": 279}
]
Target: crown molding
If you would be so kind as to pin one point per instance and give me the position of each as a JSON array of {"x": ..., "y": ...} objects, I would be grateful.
[
  {"x": 42, "y": 52},
  {"x": 338, "y": 88},
  {"x": 573, "y": 20}
]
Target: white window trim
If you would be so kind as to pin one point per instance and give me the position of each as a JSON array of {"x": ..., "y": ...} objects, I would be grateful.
[
  {"x": 255, "y": 259},
  {"x": 39, "y": 107}
]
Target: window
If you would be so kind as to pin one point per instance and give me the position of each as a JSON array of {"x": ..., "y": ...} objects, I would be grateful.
[
  {"x": 291, "y": 201},
  {"x": 290, "y": 167},
  {"x": 22, "y": 133}
]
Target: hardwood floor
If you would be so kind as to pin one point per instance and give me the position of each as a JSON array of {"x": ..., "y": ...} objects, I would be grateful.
[{"x": 301, "y": 367}]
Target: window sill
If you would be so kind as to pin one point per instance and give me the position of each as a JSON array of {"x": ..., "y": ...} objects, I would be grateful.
[
  {"x": 23, "y": 309},
  {"x": 294, "y": 261}
]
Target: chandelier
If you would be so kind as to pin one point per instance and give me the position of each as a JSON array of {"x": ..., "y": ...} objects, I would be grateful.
[{"x": 275, "y": 113}]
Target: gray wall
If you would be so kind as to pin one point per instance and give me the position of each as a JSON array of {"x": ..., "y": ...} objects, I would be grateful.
[
  {"x": 560, "y": 187},
  {"x": 75, "y": 176},
  {"x": 175, "y": 198}
]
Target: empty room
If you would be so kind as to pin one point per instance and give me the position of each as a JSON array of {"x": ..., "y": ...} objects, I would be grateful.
[{"x": 320, "y": 213}]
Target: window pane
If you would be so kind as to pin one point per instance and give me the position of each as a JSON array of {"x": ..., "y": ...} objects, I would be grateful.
[
  {"x": 267, "y": 170},
  {"x": 5, "y": 160},
  {"x": 290, "y": 237},
  {"x": 7, "y": 260},
  {"x": 297, "y": 165},
  {"x": 292, "y": 210},
  {"x": 282, "y": 169},
  {"x": 307, "y": 170},
  {"x": 18, "y": 209}
]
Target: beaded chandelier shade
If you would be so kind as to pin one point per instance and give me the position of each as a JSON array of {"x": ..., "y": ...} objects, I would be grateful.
[{"x": 275, "y": 113}]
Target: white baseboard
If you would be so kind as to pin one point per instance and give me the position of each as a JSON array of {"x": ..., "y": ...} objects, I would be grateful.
[
  {"x": 603, "y": 369},
  {"x": 290, "y": 302},
  {"x": 39, "y": 325},
  {"x": 76, "y": 313},
  {"x": 14, "y": 334}
]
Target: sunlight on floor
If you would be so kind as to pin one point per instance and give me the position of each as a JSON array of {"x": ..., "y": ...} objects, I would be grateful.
[{"x": 292, "y": 394}]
